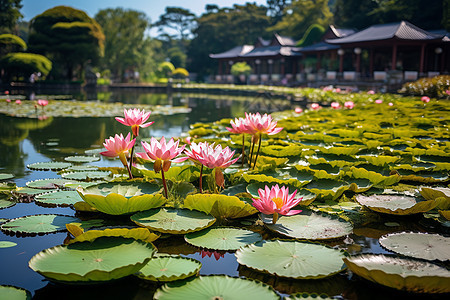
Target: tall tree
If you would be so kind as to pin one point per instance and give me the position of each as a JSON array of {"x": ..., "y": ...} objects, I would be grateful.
[
  {"x": 69, "y": 37},
  {"x": 219, "y": 30},
  {"x": 126, "y": 46},
  {"x": 302, "y": 14},
  {"x": 9, "y": 14},
  {"x": 179, "y": 19},
  {"x": 277, "y": 9}
]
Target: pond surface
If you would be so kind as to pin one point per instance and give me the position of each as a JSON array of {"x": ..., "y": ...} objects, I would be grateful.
[{"x": 24, "y": 141}]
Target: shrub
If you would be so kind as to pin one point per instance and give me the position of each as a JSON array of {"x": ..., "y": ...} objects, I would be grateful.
[
  {"x": 180, "y": 73},
  {"x": 12, "y": 41},
  {"x": 435, "y": 87},
  {"x": 241, "y": 68},
  {"x": 24, "y": 64}
]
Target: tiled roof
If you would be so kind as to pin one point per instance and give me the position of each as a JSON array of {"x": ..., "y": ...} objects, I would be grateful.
[
  {"x": 272, "y": 51},
  {"x": 341, "y": 32},
  {"x": 322, "y": 46},
  {"x": 237, "y": 51},
  {"x": 282, "y": 40},
  {"x": 402, "y": 31}
]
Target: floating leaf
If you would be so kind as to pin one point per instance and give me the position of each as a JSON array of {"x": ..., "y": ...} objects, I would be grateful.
[
  {"x": 86, "y": 175},
  {"x": 435, "y": 192},
  {"x": 220, "y": 206},
  {"x": 14, "y": 293},
  {"x": 84, "y": 206},
  {"x": 118, "y": 198},
  {"x": 423, "y": 176},
  {"x": 104, "y": 259},
  {"x": 222, "y": 238},
  {"x": 38, "y": 224},
  {"x": 135, "y": 233},
  {"x": 51, "y": 165},
  {"x": 310, "y": 226},
  {"x": 307, "y": 296},
  {"x": 6, "y": 176},
  {"x": 293, "y": 259},
  {"x": 217, "y": 287},
  {"x": 6, "y": 203},
  {"x": 81, "y": 168},
  {"x": 169, "y": 268},
  {"x": 60, "y": 198},
  {"x": 7, "y": 244},
  {"x": 54, "y": 183},
  {"x": 327, "y": 188},
  {"x": 418, "y": 245},
  {"x": 396, "y": 204},
  {"x": 30, "y": 191},
  {"x": 175, "y": 221},
  {"x": 81, "y": 159},
  {"x": 401, "y": 273}
]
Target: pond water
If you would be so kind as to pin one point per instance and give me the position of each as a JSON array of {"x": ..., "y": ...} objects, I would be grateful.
[{"x": 25, "y": 141}]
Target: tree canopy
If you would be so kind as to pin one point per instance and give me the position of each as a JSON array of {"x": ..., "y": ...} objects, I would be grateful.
[
  {"x": 179, "y": 19},
  {"x": 68, "y": 36},
  {"x": 24, "y": 64},
  {"x": 9, "y": 14}
]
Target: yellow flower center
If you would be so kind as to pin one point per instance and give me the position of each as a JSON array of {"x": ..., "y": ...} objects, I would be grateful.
[{"x": 278, "y": 202}]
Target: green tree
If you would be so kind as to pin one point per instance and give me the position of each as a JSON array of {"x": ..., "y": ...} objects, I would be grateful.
[
  {"x": 312, "y": 35},
  {"x": 179, "y": 19},
  {"x": 9, "y": 14},
  {"x": 219, "y": 30},
  {"x": 277, "y": 9},
  {"x": 69, "y": 37},
  {"x": 126, "y": 46},
  {"x": 446, "y": 14},
  {"x": 241, "y": 68},
  {"x": 302, "y": 14},
  {"x": 11, "y": 43},
  {"x": 24, "y": 64}
]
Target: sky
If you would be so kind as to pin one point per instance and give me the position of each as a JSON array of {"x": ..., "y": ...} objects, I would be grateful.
[{"x": 152, "y": 8}]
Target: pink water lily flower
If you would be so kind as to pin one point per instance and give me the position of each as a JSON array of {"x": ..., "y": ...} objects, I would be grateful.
[
  {"x": 378, "y": 101},
  {"x": 298, "y": 110},
  {"x": 42, "y": 102},
  {"x": 162, "y": 153},
  {"x": 18, "y": 101},
  {"x": 119, "y": 146},
  {"x": 238, "y": 126},
  {"x": 135, "y": 118},
  {"x": 371, "y": 92},
  {"x": 349, "y": 104},
  {"x": 425, "y": 99},
  {"x": 335, "y": 105},
  {"x": 257, "y": 124},
  {"x": 315, "y": 106},
  {"x": 276, "y": 200}
]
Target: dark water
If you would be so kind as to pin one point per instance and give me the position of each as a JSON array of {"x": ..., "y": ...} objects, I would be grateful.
[{"x": 24, "y": 141}]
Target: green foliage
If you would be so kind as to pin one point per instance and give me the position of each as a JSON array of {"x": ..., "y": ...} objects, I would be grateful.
[
  {"x": 24, "y": 64},
  {"x": 435, "y": 87},
  {"x": 312, "y": 35},
  {"x": 180, "y": 73},
  {"x": 165, "y": 69},
  {"x": 9, "y": 14},
  {"x": 11, "y": 43},
  {"x": 178, "y": 19},
  {"x": 241, "y": 68},
  {"x": 69, "y": 37}
]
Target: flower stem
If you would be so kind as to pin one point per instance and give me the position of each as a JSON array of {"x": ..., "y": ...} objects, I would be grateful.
[
  {"x": 132, "y": 154},
  {"x": 164, "y": 183},
  {"x": 251, "y": 153},
  {"x": 243, "y": 149},
  {"x": 129, "y": 172},
  {"x": 200, "y": 184},
  {"x": 257, "y": 152}
]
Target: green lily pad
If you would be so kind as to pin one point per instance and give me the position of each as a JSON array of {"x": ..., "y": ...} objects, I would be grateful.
[
  {"x": 83, "y": 184},
  {"x": 293, "y": 259},
  {"x": 6, "y": 203},
  {"x": 174, "y": 221},
  {"x": 82, "y": 159},
  {"x": 119, "y": 198},
  {"x": 30, "y": 191},
  {"x": 418, "y": 245},
  {"x": 396, "y": 204},
  {"x": 310, "y": 226},
  {"x": 59, "y": 198},
  {"x": 220, "y": 206},
  {"x": 308, "y": 296},
  {"x": 86, "y": 175},
  {"x": 222, "y": 238},
  {"x": 3, "y": 220},
  {"x": 327, "y": 188},
  {"x": 432, "y": 193},
  {"x": 14, "y": 293},
  {"x": 54, "y": 183},
  {"x": 51, "y": 165},
  {"x": 6, "y": 176},
  {"x": 81, "y": 168},
  {"x": 38, "y": 224},
  {"x": 423, "y": 176},
  {"x": 7, "y": 244},
  {"x": 138, "y": 233},
  {"x": 104, "y": 259},
  {"x": 95, "y": 151},
  {"x": 217, "y": 287},
  {"x": 169, "y": 268},
  {"x": 401, "y": 273}
]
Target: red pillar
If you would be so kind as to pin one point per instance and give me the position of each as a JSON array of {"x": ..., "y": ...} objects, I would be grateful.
[
  {"x": 371, "y": 62},
  {"x": 394, "y": 57},
  {"x": 341, "y": 63},
  {"x": 422, "y": 58}
]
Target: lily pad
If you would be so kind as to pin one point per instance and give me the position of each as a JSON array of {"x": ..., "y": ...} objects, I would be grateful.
[
  {"x": 59, "y": 198},
  {"x": 401, "y": 273},
  {"x": 14, "y": 293},
  {"x": 396, "y": 204},
  {"x": 81, "y": 168},
  {"x": 217, "y": 287},
  {"x": 135, "y": 233},
  {"x": 435, "y": 192},
  {"x": 222, "y": 238},
  {"x": 174, "y": 221},
  {"x": 82, "y": 159},
  {"x": 308, "y": 296},
  {"x": 327, "y": 188},
  {"x": 310, "y": 226},
  {"x": 54, "y": 183},
  {"x": 38, "y": 224},
  {"x": 51, "y": 165},
  {"x": 7, "y": 244},
  {"x": 30, "y": 191},
  {"x": 220, "y": 206},
  {"x": 169, "y": 268},
  {"x": 418, "y": 245},
  {"x": 293, "y": 259},
  {"x": 119, "y": 198},
  {"x": 6, "y": 176},
  {"x": 6, "y": 203},
  {"x": 104, "y": 259},
  {"x": 86, "y": 175}
]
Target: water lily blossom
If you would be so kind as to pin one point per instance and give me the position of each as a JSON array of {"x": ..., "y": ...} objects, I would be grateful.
[
  {"x": 425, "y": 99},
  {"x": 315, "y": 106},
  {"x": 276, "y": 201},
  {"x": 239, "y": 126},
  {"x": 298, "y": 110},
  {"x": 349, "y": 104},
  {"x": 135, "y": 118},
  {"x": 119, "y": 146},
  {"x": 391, "y": 104},
  {"x": 371, "y": 92},
  {"x": 335, "y": 105},
  {"x": 18, "y": 101},
  {"x": 378, "y": 101},
  {"x": 163, "y": 154},
  {"x": 42, "y": 102}
]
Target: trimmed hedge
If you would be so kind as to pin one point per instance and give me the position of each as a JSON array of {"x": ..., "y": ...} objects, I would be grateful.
[
  {"x": 25, "y": 63},
  {"x": 435, "y": 87}
]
